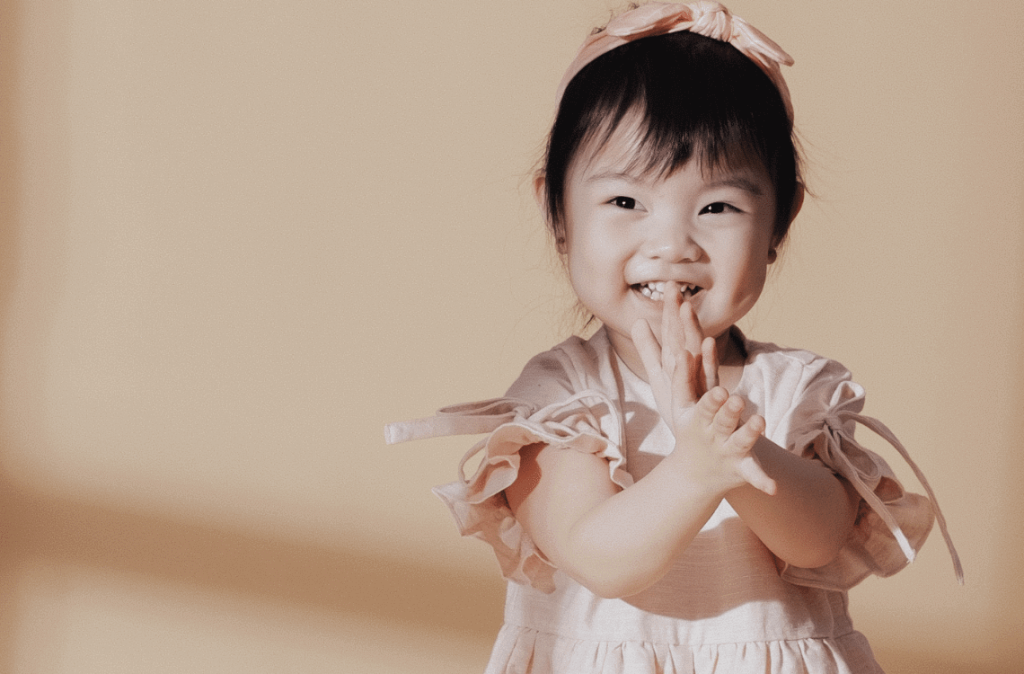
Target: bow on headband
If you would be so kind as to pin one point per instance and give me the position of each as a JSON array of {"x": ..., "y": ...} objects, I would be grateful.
[{"x": 706, "y": 18}]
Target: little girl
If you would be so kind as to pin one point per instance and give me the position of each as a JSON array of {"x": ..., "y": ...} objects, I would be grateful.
[{"x": 669, "y": 495}]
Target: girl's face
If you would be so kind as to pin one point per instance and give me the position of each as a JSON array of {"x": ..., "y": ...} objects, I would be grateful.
[{"x": 627, "y": 232}]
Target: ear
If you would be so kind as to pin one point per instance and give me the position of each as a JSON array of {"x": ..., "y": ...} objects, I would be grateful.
[{"x": 539, "y": 182}]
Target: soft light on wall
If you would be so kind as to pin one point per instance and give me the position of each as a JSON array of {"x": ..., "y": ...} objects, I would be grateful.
[{"x": 237, "y": 238}]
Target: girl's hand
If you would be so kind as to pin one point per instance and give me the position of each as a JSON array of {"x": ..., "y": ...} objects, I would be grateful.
[
  {"x": 717, "y": 449},
  {"x": 682, "y": 353},
  {"x": 682, "y": 369}
]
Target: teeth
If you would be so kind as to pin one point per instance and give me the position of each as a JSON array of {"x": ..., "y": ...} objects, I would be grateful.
[{"x": 655, "y": 290}]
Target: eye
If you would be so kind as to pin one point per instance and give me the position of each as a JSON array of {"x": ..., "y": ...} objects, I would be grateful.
[
  {"x": 628, "y": 203},
  {"x": 717, "y": 208}
]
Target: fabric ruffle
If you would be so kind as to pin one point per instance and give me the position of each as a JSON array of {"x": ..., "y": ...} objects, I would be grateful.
[
  {"x": 519, "y": 649},
  {"x": 892, "y": 524},
  {"x": 478, "y": 503}
]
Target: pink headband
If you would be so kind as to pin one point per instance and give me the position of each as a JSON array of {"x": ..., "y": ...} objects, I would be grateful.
[{"x": 706, "y": 18}]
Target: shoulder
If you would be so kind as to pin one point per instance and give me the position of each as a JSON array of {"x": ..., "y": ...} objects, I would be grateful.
[
  {"x": 792, "y": 386},
  {"x": 568, "y": 368},
  {"x": 796, "y": 367}
]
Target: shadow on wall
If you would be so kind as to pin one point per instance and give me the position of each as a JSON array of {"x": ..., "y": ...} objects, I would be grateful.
[
  {"x": 329, "y": 581},
  {"x": 37, "y": 526}
]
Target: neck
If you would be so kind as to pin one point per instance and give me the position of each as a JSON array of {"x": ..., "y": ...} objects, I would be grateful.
[
  {"x": 730, "y": 348},
  {"x": 731, "y": 358}
]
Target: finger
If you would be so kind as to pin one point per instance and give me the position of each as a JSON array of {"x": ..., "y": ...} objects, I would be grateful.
[
  {"x": 709, "y": 353},
  {"x": 647, "y": 347},
  {"x": 745, "y": 437},
  {"x": 711, "y": 404},
  {"x": 672, "y": 333},
  {"x": 691, "y": 329},
  {"x": 672, "y": 298},
  {"x": 752, "y": 472},
  {"x": 727, "y": 419},
  {"x": 743, "y": 441},
  {"x": 685, "y": 387}
]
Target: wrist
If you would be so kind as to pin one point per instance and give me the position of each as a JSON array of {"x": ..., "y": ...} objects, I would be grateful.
[{"x": 690, "y": 476}]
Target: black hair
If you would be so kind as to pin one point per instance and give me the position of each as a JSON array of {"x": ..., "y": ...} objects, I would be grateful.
[{"x": 693, "y": 94}]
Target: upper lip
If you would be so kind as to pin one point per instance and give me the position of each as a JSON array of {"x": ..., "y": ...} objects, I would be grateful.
[{"x": 660, "y": 285}]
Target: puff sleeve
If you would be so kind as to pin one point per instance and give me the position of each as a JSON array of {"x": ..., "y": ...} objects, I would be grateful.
[
  {"x": 892, "y": 523},
  {"x": 587, "y": 422}
]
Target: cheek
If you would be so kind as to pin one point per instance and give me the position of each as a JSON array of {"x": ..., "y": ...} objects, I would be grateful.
[
  {"x": 586, "y": 250},
  {"x": 748, "y": 273},
  {"x": 751, "y": 286},
  {"x": 585, "y": 270}
]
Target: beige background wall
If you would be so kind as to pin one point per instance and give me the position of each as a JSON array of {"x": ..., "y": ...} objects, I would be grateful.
[{"x": 237, "y": 237}]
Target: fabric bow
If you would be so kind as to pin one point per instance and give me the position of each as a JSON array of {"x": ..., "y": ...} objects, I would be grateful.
[
  {"x": 706, "y": 18},
  {"x": 835, "y": 437}
]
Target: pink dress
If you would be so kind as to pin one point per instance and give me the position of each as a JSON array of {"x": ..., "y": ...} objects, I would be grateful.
[{"x": 727, "y": 604}]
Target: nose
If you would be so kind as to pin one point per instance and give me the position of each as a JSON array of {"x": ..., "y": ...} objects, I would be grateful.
[{"x": 671, "y": 240}]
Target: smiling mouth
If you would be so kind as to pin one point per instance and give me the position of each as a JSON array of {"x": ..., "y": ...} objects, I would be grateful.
[{"x": 656, "y": 290}]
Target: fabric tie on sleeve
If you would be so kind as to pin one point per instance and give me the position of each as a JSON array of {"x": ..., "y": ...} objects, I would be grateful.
[
  {"x": 840, "y": 453},
  {"x": 464, "y": 419},
  {"x": 586, "y": 422}
]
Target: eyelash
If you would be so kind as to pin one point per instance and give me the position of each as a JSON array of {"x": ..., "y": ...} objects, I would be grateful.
[
  {"x": 722, "y": 208},
  {"x": 717, "y": 208}
]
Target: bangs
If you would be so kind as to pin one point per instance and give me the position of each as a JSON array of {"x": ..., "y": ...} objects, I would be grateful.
[
  {"x": 666, "y": 140},
  {"x": 689, "y": 97}
]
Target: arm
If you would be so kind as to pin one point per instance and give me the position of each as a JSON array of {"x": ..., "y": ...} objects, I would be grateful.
[
  {"x": 811, "y": 514},
  {"x": 618, "y": 542},
  {"x": 798, "y": 507}
]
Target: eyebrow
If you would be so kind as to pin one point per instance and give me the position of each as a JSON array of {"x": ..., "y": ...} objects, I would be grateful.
[
  {"x": 737, "y": 181},
  {"x": 614, "y": 175}
]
